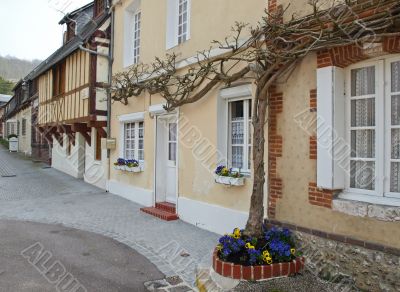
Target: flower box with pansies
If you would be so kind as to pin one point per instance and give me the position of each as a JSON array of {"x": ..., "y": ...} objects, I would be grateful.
[
  {"x": 226, "y": 176},
  {"x": 128, "y": 165},
  {"x": 243, "y": 257},
  {"x": 120, "y": 164}
]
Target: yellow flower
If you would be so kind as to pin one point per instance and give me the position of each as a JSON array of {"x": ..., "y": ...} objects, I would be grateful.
[
  {"x": 293, "y": 251},
  {"x": 225, "y": 171},
  {"x": 219, "y": 247},
  {"x": 236, "y": 233},
  {"x": 249, "y": 246},
  {"x": 268, "y": 260},
  {"x": 266, "y": 253}
]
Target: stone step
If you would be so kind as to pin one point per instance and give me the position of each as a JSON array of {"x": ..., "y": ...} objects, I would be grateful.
[
  {"x": 164, "y": 215},
  {"x": 165, "y": 206}
]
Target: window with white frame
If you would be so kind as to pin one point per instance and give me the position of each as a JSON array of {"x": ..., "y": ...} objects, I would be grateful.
[
  {"x": 183, "y": 21},
  {"x": 136, "y": 36},
  {"x": 178, "y": 22},
  {"x": 132, "y": 33},
  {"x": 134, "y": 141},
  {"x": 240, "y": 140},
  {"x": 373, "y": 123}
]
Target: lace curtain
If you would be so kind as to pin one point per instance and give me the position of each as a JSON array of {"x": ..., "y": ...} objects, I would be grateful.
[
  {"x": 395, "y": 131},
  {"x": 362, "y": 165}
]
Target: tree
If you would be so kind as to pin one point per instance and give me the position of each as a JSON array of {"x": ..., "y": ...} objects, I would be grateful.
[
  {"x": 270, "y": 53},
  {"x": 6, "y": 86}
]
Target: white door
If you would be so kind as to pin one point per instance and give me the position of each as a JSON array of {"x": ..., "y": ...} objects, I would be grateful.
[{"x": 166, "y": 158}]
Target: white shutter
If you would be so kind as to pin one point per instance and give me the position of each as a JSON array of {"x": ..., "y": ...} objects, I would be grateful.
[
  {"x": 172, "y": 24},
  {"x": 332, "y": 149}
]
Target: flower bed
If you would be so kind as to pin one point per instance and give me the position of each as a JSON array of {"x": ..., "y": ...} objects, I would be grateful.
[
  {"x": 245, "y": 258},
  {"x": 226, "y": 176}
]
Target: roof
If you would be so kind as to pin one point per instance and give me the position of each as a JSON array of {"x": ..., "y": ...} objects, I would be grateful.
[
  {"x": 5, "y": 98},
  {"x": 83, "y": 9},
  {"x": 68, "y": 48}
]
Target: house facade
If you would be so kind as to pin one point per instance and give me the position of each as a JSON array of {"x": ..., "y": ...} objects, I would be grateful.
[
  {"x": 332, "y": 138},
  {"x": 71, "y": 110},
  {"x": 176, "y": 171},
  {"x": 17, "y": 117}
]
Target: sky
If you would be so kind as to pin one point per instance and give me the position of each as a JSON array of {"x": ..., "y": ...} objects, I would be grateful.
[{"x": 29, "y": 29}]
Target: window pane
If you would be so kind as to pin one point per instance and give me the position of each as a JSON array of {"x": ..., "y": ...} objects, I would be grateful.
[
  {"x": 363, "y": 112},
  {"x": 363, "y": 143},
  {"x": 140, "y": 144},
  {"x": 362, "y": 175},
  {"x": 141, "y": 154},
  {"x": 237, "y": 110},
  {"x": 363, "y": 81},
  {"x": 237, "y": 157},
  {"x": 395, "y": 177},
  {"x": 396, "y": 110},
  {"x": 172, "y": 151},
  {"x": 238, "y": 132},
  {"x": 396, "y": 76},
  {"x": 172, "y": 132},
  {"x": 395, "y": 143}
]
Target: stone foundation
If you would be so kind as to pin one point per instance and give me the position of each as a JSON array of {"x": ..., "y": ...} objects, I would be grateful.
[{"x": 351, "y": 267}]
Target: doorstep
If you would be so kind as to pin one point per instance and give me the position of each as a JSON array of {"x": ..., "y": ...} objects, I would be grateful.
[{"x": 165, "y": 211}]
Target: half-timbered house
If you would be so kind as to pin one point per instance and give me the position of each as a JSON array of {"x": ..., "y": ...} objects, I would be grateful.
[{"x": 72, "y": 107}]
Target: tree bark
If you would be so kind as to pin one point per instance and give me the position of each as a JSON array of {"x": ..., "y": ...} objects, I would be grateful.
[{"x": 254, "y": 226}]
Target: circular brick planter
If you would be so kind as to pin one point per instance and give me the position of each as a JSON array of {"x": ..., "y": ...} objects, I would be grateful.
[{"x": 255, "y": 273}]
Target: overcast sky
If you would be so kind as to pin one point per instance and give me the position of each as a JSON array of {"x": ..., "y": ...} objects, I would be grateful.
[{"x": 29, "y": 29}]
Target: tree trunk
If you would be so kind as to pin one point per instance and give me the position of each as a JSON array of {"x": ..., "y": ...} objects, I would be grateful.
[{"x": 254, "y": 226}]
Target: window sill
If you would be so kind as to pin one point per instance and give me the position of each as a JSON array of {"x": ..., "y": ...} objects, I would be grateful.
[{"x": 367, "y": 206}]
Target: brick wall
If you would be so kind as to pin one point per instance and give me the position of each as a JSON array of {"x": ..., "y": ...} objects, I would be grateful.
[
  {"x": 319, "y": 197},
  {"x": 274, "y": 152}
]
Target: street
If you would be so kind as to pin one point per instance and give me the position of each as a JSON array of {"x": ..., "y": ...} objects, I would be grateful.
[{"x": 32, "y": 192}]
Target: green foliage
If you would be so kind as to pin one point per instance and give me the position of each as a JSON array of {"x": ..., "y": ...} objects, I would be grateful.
[
  {"x": 6, "y": 86},
  {"x": 4, "y": 142}
]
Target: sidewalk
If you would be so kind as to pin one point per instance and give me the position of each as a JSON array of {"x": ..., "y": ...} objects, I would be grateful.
[{"x": 44, "y": 195}]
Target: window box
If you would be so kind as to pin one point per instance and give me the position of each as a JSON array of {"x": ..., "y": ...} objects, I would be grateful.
[
  {"x": 119, "y": 167},
  {"x": 226, "y": 176},
  {"x": 133, "y": 169},
  {"x": 230, "y": 181}
]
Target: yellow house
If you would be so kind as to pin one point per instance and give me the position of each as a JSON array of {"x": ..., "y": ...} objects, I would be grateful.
[
  {"x": 347, "y": 96},
  {"x": 178, "y": 151}
]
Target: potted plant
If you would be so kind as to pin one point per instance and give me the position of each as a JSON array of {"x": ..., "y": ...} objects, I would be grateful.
[
  {"x": 274, "y": 252},
  {"x": 120, "y": 164},
  {"x": 132, "y": 166},
  {"x": 227, "y": 176}
]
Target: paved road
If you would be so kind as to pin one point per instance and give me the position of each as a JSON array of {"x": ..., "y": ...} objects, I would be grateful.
[
  {"x": 95, "y": 262},
  {"x": 45, "y": 195}
]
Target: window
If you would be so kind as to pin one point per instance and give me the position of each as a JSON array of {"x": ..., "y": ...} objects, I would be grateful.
[
  {"x": 374, "y": 128},
  {"x": 23, "y": 130},
  {"x": 59, "y": 79},
  {"x": 178, "y": 22},
  {"x": 240, "y": 139},
  {"x": 18, "y": 126},
  {"x": 172, "y": 133},
  {"x": 132, "y": 33},
  {"x": 136, "y": 37},
  {"x": 134, "y": 141},
  {"x": 182, "y": 21}
]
